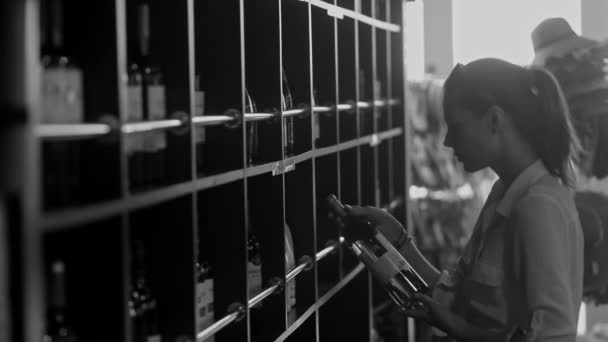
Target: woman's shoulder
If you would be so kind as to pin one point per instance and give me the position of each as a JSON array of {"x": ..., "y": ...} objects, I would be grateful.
[{"x": 547, "y": 200}]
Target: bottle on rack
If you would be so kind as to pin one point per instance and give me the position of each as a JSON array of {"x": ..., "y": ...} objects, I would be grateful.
[
  {"x": 154, "y": 143},
  {"x": 290, "y": 288},
  {"x": 204, "y": 298},
  {"x": 62, "y": 103},
  {"x": 135, "y": 113},
  {"x": 253, "y": 138},
  {"x": 57, "y": 326},
  {"x": 199, "y": 132},
  {"x": 287, "y": 104},
  {"x": 143, "y": 306},
  {"x": 254, "y": 266},
  {"x": 381, "y": 258},
  {"x": 62, "y": 84}
]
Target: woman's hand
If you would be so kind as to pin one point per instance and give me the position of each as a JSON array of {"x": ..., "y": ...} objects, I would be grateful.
[
  {"x": 438, "y": 316},
  {"x": 382, "y": 220}
]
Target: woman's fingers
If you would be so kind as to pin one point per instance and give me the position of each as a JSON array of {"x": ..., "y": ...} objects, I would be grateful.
[
  {"x": 417, "y": 314},
  {"x": 367, "y": 213}
]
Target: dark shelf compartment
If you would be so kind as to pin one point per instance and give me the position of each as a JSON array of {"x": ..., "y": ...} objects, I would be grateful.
[
  {"x": 354, "y": 324},
  {"x": 299, "y": 216},
  {"x": 347, "y": 73},
  {"x": 94, "y": 279},
  {"x": 295, "y": 49},
  {"x": 218, "y": 148},
  {"x": 263, "y": 73},
  {"x": 222, "y": 243},
  {"x": 69, "y": 176},
  {"x": 327, "y": 183},
  {"x": 166, "y": 233},
  {"x": 323, "y": 29},
  {"x": 266, "y": 222}
]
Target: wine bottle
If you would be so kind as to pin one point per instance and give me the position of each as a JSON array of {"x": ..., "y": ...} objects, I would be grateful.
[
  {"x": 199, "y": 132},
  {"x": 155, "y": 143},
  {"x": 286, "y": 104},
  {"x": 62, "y": 80},
  {"x": 58, "y": 328},
  {"x": 143, "y": 306},
  {"x": 253, "y": 138},
  {"x": 204, "y": 298},
  {"x": 135, "y": 113},
  {"x": 290, "y": 288},
  {"x": 62, "y": 103},
  {"x": 381, "y": 258},
  {"x": 254, "y": 266}
]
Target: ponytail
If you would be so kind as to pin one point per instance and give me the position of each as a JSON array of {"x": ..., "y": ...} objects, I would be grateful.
[{"x": 552, "y": 134}]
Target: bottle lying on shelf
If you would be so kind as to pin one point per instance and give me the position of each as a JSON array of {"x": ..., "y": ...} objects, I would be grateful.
[{"x": 381, "y": 258}]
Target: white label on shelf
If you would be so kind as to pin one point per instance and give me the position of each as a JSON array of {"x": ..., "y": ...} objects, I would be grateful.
[
  {"x": 375, "y": 140},
  {"x": 155, "y": 141},
  {"x": 135, "y": 113},
  {"x": 254, "y": 278},
  {"x": 62, "y": 96},
  {"x": 335, "y": 12},
  {"x": 199, "y": 110}
]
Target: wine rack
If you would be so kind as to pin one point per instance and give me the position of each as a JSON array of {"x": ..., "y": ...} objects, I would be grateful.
[{"x": 211, "y": 134}]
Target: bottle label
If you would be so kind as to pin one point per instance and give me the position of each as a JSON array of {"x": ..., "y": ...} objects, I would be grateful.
[
  {"x": 62, "y": 95},
  {"x": 254, "y": 278},
  {"x": 199, "y": 110},
  {"x": 387, "y": 267},
  {"x": 156, "y": 141},
  {"x": 316, "y": 127},
  {"x": 135, "y": 113},
  {"x": 204, "y": 306},
  {"x": 201, "y": 305},
  {"x": 154, "y": 338}
]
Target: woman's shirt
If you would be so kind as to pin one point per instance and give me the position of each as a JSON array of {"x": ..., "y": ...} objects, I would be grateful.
[{"x": 522, "y": 270}]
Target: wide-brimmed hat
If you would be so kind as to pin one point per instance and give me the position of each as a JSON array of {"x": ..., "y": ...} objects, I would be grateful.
[{"x": 554, "y": 37}]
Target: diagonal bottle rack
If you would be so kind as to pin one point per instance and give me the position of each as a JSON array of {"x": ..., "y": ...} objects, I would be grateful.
[{"x": 344, "y": 62}]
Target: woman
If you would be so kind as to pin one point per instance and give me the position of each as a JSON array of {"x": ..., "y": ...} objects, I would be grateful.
[{"x": 520, "y": 276}]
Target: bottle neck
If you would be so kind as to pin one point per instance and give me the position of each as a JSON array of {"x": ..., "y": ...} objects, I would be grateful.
[{"x": 144, "y": 30}]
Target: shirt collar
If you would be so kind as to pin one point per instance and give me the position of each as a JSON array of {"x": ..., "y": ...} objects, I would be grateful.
[{"x": 519, "y": 186}]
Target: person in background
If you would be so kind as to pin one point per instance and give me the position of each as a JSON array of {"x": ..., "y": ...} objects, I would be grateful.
[
  {"x": 520, "y": 275},
  {"x": 554, "y": 37}
]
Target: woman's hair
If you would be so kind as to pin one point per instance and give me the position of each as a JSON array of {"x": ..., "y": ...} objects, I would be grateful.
[{"x": 530, "y": 96}]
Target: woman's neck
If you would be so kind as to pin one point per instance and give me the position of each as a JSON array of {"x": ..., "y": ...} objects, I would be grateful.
[{"x": 512, "y": 164}]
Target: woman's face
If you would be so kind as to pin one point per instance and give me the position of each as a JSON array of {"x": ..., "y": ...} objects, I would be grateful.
[{"x": 471, "y": 138}]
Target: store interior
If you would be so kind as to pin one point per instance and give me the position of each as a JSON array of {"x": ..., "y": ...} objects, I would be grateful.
[{"x": 166, "y": 165}]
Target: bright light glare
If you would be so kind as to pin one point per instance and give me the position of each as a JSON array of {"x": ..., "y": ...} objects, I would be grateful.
[
  {"x": 414, "y": 40},
  {"x": 498, "y": 28}
]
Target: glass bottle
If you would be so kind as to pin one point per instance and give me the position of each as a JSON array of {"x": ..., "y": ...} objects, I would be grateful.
[
  {"x": 143, "y": 306},
  {"x": 253, "y": 138},
  {"x": 62, "y": 103},
  {"x": 287, "y": 104},
  {"x": 58, "y": 328},
  {"x": 204, "y": 298},
  {"x": 381, "y": 258}
]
